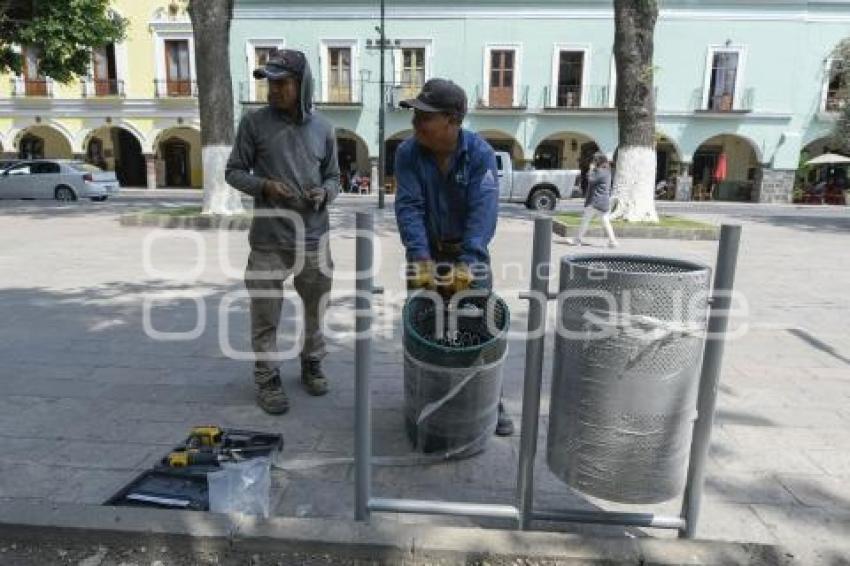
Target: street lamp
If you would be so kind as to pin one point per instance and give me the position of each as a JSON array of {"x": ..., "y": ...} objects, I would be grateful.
[{"x": 381, "y": 45}]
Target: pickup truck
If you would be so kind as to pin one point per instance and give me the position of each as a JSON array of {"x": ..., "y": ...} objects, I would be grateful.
[{"x": 537, "y": 189}]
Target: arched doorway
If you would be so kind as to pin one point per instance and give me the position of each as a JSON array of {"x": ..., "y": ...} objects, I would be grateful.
[
  {"x": 43, "y": 142},
  {"x": 117, "y": 149},
  {"x": 501, "y": 141},
  {"x": 179, "y": 158},
  {"x": 353, "y": 157},
  {"x": 566, "y": 150},
  {"x": 178, "y": 167},
  {"x": 390, "y": 147},
  {"x": 668, "y": 159},
  {"x": 725, "y": 167}
]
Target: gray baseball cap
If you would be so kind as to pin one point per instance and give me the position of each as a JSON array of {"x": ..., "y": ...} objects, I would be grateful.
[
  {"x": 439, "y": 95},
  {"x": 282, "y": 63}
]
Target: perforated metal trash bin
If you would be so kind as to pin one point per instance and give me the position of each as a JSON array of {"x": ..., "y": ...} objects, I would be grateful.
[
  {"x": 628, "y": 351},
  {"x": 452, "y": 393}
]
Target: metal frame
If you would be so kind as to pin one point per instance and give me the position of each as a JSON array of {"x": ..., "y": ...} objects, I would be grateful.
[{"x": 523, "y": 511}]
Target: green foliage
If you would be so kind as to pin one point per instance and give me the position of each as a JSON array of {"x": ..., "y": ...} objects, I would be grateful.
[
  {"x": 841, "y": 132},
  {"x": 801, "y": 178},
  {"x": 63, "y": 33}
]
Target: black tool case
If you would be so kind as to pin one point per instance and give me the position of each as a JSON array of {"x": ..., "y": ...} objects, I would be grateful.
[{"x": 166, "y": 487}]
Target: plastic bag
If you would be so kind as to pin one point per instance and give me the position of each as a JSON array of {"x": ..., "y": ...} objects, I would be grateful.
[{"x": 241, "y": 487}]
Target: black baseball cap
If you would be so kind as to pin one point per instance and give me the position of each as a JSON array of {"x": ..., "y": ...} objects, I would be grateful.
[
  {"x": 439, "y": 95},
  {"x": 282, "y": 63}
]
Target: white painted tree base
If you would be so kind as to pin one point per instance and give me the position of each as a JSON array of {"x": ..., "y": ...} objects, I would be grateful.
[
  {"x": 634, "y": 184},
  {"x": 219, "y": 197}
]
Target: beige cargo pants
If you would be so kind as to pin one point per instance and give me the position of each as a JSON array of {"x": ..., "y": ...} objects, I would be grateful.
[{"x": 265, "y": 274}]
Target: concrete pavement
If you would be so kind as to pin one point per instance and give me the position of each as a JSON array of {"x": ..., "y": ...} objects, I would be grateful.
[{"x": 89, "y": 399}]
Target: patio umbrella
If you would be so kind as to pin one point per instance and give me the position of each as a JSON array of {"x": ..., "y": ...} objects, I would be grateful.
[
  {"x": 829, "y": 159},
  {"x": 720, "y": 170}
]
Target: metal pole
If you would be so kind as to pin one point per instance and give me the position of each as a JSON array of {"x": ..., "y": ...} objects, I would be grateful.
[
  {"x": 718, "y": 320},
  {"x": 382, "y": 116},
  {"x": 362, "y": 365},
  {"x": 534, "y": 350},
  {"x": 424, "y": 507},
  {"x": 610, "y": 518}
]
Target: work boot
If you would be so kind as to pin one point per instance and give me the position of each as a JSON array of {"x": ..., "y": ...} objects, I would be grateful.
[
  {"x": 505, "y": 425},
  {"x": 314, "y": 380},
  {"x": 271, "y": 397}
]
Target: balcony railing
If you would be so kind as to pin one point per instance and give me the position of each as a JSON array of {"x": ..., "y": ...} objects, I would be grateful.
[
  {"x": 341, "y": 95},
  {"x": 570, "y": 97},
  {"x": 102, "y": 87},
  {"x": 31, "y": 87},
  {"x": 175, "y": 88},
  {"x": 725, "y": 103},
  {"x": 518, "y": 103},
  {"x": 256, "y": 92}
]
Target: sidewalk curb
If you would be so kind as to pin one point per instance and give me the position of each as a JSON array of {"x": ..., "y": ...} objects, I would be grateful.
[
  {"x": 645, "y": 232},
  {"x": 198, "y": 222},
  {"x": 381, "y": 540}
]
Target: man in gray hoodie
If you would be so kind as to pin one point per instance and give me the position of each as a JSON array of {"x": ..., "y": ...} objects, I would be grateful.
[{"x": 285, "y": 157}]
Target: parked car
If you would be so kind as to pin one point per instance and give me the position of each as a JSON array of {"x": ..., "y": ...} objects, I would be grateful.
[
  {"x": 59, "y": 179},
  {"x": 537, "y": 189},
  {"x": 6, "y": 163}
]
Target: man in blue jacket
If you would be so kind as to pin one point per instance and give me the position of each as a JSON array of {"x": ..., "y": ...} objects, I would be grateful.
[{"x": 447, "y": 200}]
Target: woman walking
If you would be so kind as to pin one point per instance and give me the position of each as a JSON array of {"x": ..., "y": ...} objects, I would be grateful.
[{"x": 597, "y": 200}]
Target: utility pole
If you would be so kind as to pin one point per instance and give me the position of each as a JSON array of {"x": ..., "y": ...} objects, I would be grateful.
[
  {"x": 382, "y": 108},
  {"x": 382, "y": 154}
]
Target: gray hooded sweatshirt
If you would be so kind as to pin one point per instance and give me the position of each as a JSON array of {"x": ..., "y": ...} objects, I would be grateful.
[{"x": 301, "y": 153}]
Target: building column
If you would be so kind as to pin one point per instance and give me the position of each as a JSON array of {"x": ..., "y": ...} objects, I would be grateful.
[
  {"x": 374, "y": 177},
  {"x": 775, "y": 186},
  {"x": 684, "y": 183},
  {"x": 150, "y": 170}
]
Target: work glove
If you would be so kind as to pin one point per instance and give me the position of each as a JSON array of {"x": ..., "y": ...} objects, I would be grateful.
[
  {"x": 457, "y": 278},
  {"x": 460, "y": 278},
  {"x": 317, "y": 196},
  {"x": 281, "y": 194},
  {"x": 420, "y": 274}
]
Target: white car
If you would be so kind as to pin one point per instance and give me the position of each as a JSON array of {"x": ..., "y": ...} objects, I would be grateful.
[{"x": 59, "y": 179}]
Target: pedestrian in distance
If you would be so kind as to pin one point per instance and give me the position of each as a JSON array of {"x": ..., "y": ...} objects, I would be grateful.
[{"x": 597, "y": 200}]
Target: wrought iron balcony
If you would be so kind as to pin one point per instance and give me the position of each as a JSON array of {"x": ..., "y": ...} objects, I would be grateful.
[
  {"x": 724, "y": 103},
  {"x": 102, "y": 87},
  {"x": 520, "y": 102},
  {"x": 592, "y": 97},
  {"x": 31, "y": 87},
  {"x": 175, "y": 88}
]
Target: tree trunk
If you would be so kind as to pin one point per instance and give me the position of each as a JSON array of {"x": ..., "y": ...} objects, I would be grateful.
[
  {"x": 634, "y": 181},
  {"x": 211, "y": 29}
]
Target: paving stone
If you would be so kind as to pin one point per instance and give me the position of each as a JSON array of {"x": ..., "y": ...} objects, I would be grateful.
[
  {"x": 733, "y": 522},
  {"x": 831, "y": 461},
  {"x": 828, "y": 492},
  {"x": 85, "y": 376},
  {"x": 748, "y": 488},
  {"x": 815, "y": 536}
]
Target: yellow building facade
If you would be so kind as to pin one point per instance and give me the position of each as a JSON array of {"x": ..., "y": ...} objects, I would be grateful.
[{"x": 135, "y": 113}]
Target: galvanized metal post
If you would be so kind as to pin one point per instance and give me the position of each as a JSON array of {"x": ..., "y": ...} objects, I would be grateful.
[
  {"x": 534, "y": 351},
  {"x": 718, "y": 321},
  {"x": 382, "y": 113},
  {"x": 364, "y": 250}
]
